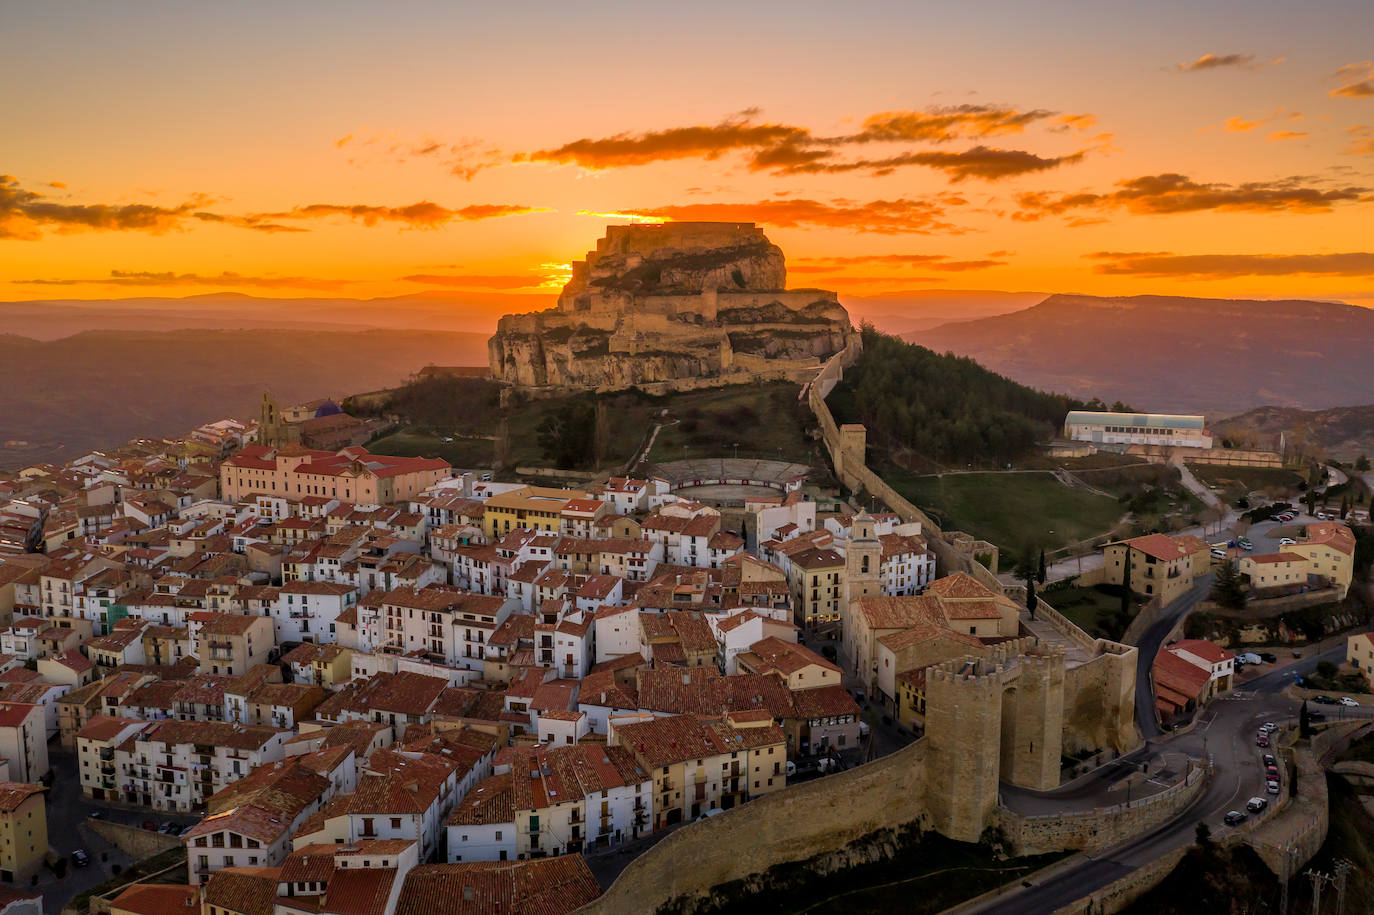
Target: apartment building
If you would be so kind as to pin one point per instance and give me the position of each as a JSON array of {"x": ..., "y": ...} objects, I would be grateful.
[
  {"x": 697, "y": 767},
  {"x": 552, "y": 801},
  {"x": 23, "y": 831},
  {"x": 308, "y": 611},
  {"x": 95, "y": 754},
  {"x": 24, "y": 740},
  {"x": 352, "y": 475},
  {"x": 231, "y": 644},
  {"x": 177, "y": 765}
]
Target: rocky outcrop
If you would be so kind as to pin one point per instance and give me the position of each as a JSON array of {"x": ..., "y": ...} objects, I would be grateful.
[{"x": 672, "y": 303}]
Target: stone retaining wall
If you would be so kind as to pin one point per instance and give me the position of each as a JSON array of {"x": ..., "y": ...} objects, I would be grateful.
[
  {"x": 134, "y": 842},
  {"x": 1116, "y": 896},
  {"x": 1102, "y": 827}
]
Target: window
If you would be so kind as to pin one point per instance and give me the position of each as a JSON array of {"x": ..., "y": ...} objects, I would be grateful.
[{"x": 395, "y": 822}]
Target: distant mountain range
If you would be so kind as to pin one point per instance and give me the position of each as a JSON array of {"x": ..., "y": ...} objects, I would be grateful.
[
  {"x": 1173, "y": 354},
  {"x": 98, "y": 389}
]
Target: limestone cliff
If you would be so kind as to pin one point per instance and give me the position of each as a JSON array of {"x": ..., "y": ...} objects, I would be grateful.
[{"x": 667, "y": 304}]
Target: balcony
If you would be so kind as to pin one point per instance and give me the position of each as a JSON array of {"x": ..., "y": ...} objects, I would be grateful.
[
  {"x": 107, "y": 752},
  {"x": 107, "y": 768}
]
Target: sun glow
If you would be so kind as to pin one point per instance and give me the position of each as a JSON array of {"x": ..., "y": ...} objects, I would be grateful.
[{"x": 629, "y": 217}]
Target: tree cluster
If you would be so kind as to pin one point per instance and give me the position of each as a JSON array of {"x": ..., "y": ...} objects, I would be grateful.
[{"x": 946, "y": 407}]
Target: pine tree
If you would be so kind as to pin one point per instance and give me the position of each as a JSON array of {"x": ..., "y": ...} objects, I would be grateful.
[
  {"x": 1031, "y": 600},
  {"x": 1043, "y": 573},
  {"x": 1228, "y": 590}
]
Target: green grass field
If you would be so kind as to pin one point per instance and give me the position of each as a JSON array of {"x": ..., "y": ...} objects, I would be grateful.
[
  {"x": 1237, "y": 481},
  {"x": 1096, "y": 610},
  {"x": 474, "y": 454},
  {"x": 1012, "y": 510}
]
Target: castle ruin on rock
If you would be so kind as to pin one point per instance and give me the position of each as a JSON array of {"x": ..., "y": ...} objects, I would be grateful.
[{"x": 673, "y": 306}]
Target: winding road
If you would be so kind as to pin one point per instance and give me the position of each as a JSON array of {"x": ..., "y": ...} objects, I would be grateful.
[{"x": 1225, "y": 733}]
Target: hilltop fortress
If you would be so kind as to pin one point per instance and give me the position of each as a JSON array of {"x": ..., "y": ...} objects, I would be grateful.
[{"x": 673, "y": 306}]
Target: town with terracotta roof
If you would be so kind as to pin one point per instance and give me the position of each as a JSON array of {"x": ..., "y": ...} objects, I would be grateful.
[{"x": 333, "y": 681}]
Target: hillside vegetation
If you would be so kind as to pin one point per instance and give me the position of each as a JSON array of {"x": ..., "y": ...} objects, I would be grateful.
[
  {"x": 1344, "y": 433},
  {"x": 945, "y": 408}
]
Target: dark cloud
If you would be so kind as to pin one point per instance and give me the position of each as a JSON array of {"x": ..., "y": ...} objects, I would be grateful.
[
  {"x": 1227, "y": 266},
  {"x": 901, "y": 215},
  {"x": 704, "y": 142},
  {"x": 226, "y": 279},
  {"x": 25, "y": 213},
  {"x": 422, "y": 215},
  {"x": 979, "y": 162},
  {"x": 789, "y": 149},
  {"x": 943, "y": 124},
  {"x": 1173, "y": 193}
]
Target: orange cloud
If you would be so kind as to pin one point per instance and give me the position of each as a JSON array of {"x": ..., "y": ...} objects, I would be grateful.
[
  {"x": 926, "y": 261},
  {"x": 791, "y": 149},
  {"x": 1357, "y": 80},
  {"x": 1279, "y": 135},
  {"x": 979, "y": 162},
  {"x": 227, "y": 279},
  {"x": 477, "y": 281},
  {"x": 703, "y": 142},
  {"x": 1361, "y": 140},
  {"x": 1240, "y": 125},
  {"x": 941, "y": 125},
  {"x": 423, "y": 215},
  {"x": 1173, "y": 193},
  {"x": 1218, "y": 61},
  {"x": 880, "y": 216},
  {"x": 1229, "y": 266},
  {"x": 24, "y": 214}
]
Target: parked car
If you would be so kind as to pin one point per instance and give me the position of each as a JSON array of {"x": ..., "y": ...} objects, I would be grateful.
[
  {"x": 791, "y": 768},
  {"x": 1250, "y": 658},
  {"x": 80, "y": 858},
  {"x": 1262, "y": 740},
  {"x": 1271, "y": 771},
  {"x": 863, "y": 728},
  {"x": 1256, "y": 804},
  {"x": 1269, "y": 727},
  {"x": 165, "y": 829},
  {"x": 1314, "y": 715},
  {"x": 1272, "y": 786},
  {"x": 707, "y": 814},
  {"x": 1268, "y": 657},
  {"x": 1269, "y": 760},
  {"x": 1323, "y": 700},
  {"x": 1234, "y": 818},
  {"x": 1287, "y": 541},
  {"x": 1348, "y": 702},
  {"x": 149, "y": 825},
  {"x": 1218, "y": 554},
  {"x": 1245, "y": 544}
]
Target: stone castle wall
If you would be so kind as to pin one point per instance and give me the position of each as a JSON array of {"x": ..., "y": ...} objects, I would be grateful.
[{"x": 797, "y": 824}]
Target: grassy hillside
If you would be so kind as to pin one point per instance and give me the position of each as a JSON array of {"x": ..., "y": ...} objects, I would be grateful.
[
  {"x": 101, "y": 388},
  {"x": 610, "y": 429},
  {"x": 1173, "y": 354},
  {"x": 1012, "y": 510}
]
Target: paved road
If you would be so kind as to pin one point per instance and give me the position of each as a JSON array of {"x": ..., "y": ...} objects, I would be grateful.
[
  {"x": 1149, "y": 646},
  {"x": 1225, "y": 733},
  {"x": 68, "y": 810}
]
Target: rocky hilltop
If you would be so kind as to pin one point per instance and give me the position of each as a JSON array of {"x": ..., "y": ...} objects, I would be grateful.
[{"x": 673, "y": 306}]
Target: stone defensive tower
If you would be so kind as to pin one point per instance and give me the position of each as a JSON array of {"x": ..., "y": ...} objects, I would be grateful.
[{"x": 964, "y": 733}]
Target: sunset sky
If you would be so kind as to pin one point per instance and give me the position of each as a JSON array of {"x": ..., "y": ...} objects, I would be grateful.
[{"x": 366, "y": 149}]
